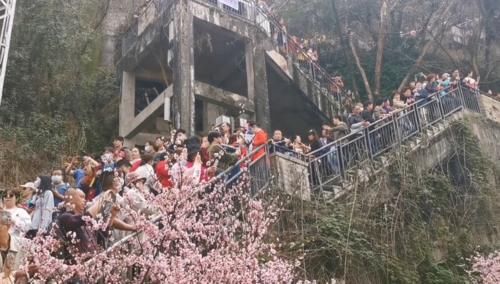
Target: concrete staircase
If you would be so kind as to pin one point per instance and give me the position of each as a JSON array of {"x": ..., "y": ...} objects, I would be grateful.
[
  {"x": 427, "y": 145},
  {"x": 312, "y": 80}
]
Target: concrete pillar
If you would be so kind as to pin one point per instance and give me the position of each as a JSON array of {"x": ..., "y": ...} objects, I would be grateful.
[
  {"x": 127, "y": 103},
  {"x": 262, "y": 109},
  {"x": 183, "y": 111},
  {"x": 249, "y": 60}
]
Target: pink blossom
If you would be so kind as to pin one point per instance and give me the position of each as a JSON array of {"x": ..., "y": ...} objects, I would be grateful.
[{"x": 207, "y": 234}]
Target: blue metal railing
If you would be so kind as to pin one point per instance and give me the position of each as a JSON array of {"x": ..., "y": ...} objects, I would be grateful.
[
  {"x": 257, "y": 164},
  {"x": 335, "y": 160}
]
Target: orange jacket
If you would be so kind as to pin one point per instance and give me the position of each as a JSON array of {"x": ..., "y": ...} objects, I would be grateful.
[{"x": 259, "y": 140}]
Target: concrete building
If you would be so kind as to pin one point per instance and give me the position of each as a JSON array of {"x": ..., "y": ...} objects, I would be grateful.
[{"x": 183, "y": 63}]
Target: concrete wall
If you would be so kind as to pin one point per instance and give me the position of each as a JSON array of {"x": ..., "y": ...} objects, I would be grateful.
[
  {"x": 491, "y": 108},
  {"x": 311, "y": 89},
  {"x": 118, "y": 16},
  {"x": 292, "y": 175},
  {"x": 488, "y": 133},
  {"x": 433, "y": 150}
]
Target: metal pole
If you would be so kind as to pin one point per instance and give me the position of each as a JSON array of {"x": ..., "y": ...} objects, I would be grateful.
[{"x": 8, "y": 22}]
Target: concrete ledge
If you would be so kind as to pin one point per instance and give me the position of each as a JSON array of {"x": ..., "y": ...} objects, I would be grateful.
[
  {"x": 212, "y": 14},
  {"x": 219, "y": 96},
  {"x": 491, "y": 108},
  {"x": 280, "y": 61}
]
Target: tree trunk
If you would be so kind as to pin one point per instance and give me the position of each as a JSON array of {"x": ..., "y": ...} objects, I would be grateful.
[
  {"x": 417, "y": 64},
  {"x": 379, "y": 61},
  {"x": 360, "y": 68},
  {"x": 431, "y": 24},
  {"x": 345, "y": 45},
  {"x": 487, "y": 9}
]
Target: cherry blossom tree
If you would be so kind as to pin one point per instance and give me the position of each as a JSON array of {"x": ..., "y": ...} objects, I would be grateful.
[
  {"x": 487, "y": 267},
  {"x": 207, "y": 233}
]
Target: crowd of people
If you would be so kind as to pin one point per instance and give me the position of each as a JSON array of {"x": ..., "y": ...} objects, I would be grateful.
[
  {"x": 363, "y": 115},
  {"x": 97, "y": 187},
  {"x": 305, "y": 51}
]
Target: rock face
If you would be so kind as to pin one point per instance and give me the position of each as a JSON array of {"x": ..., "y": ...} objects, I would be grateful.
[{"x": 119, "y": 15}]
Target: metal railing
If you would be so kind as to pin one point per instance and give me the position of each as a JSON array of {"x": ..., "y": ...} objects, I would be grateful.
[
  {"x": 257, "y": 164},
  {"x": 335, "y": 160},
  {"x": 302, "y": 60},
  {"x": 245, "y": 9}
]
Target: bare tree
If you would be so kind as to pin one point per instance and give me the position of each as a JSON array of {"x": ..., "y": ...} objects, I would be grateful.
[
  {"x": 382, "y": 31},
  {"x": 360, "y": 67}
]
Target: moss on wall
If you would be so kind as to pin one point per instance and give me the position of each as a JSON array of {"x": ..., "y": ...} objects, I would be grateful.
[{"x": 424, "y": 231}]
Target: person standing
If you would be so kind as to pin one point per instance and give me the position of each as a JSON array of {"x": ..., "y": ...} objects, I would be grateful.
[
  {"x": 59, "y": 187},
  {"x": 217, "y": 153},
  {"x": 281, "y": 144},
  {"x": 118, "y": 151},
  {"x": 260, "y": 138},
  {"x": 72, "y": 221},
  {"x": 44, "y": 207},
  {"x": 339, "y": 129},
  {"x": 135, "y": 155},
  {"x": 21, "y": 220},
  {"x": 355, "y": 119},
  {"x": 11, "y": 252}
]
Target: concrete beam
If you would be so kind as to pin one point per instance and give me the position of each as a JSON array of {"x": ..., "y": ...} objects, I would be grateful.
[
  {"x": 149, "y": 75},
  {"x": 211, "y": 14},
  {"x": 280, "y": 61},
  {"x": 135, "y": 124},
  {"x": 223, "y": 97}
]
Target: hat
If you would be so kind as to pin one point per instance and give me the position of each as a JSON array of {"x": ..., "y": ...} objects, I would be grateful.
[
  {"x": 29, "y": 185},
  {"x": 135, "y": 176}
]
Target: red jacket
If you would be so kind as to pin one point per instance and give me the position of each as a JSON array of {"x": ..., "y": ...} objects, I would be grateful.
[{"x": 259, "y": 140}]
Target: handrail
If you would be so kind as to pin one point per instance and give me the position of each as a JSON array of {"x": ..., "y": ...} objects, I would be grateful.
[
  {"x": 241, "y": 161},
  {"x": 371, "y": 125},
  {"x": 349, "y": 152},
  {"x": 292, "y": 42}
]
